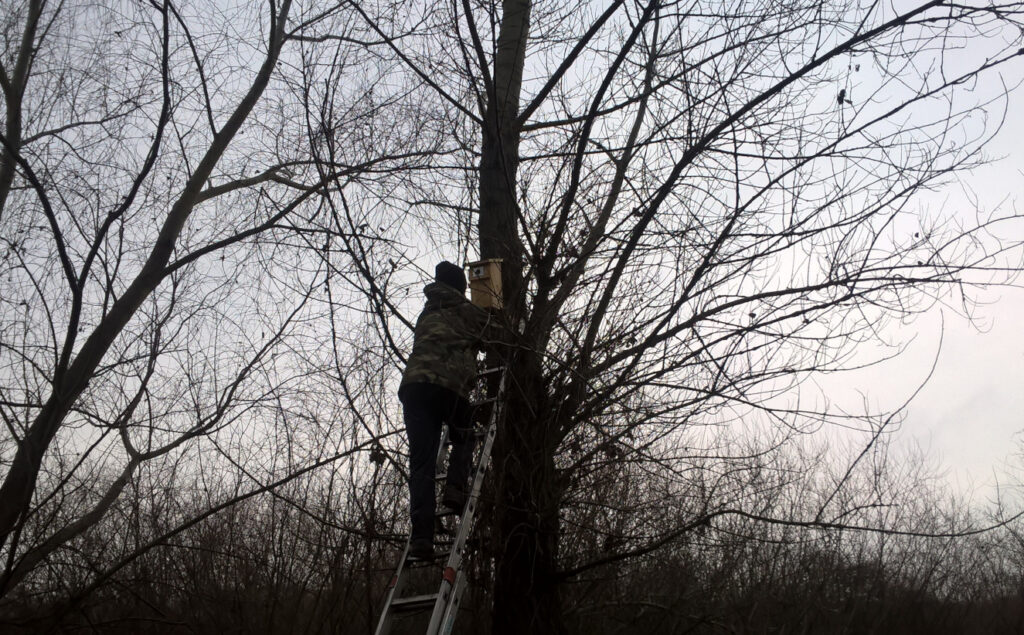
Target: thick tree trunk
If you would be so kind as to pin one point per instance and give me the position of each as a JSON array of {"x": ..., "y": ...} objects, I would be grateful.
[
  {"x": 526, "y": 594},
  {"x": 526, "y": 597},
  {"x": 13, "y": 86},
  {"x": 499, "y": 162}
]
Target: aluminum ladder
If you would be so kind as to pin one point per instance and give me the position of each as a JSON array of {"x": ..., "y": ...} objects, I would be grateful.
[{"x": 445, "y": 601}]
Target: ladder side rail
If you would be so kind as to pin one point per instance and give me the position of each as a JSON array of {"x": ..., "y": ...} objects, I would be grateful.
[
  {"x": 452, "y": 610},
  {"x": 446, "y": 597},
  {"x": 395, "y": 587},
  {"x": 466, "y": 523},
  {"x": 468, "y": 515}
]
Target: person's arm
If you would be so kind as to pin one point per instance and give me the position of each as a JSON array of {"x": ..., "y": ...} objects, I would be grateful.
[{"x": 485, "y": 325}]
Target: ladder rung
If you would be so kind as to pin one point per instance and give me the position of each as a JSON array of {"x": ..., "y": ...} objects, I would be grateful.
[
  {"x": 484, "y": 402},
  {"x": 489, "y": 371},
  {"x": 414, "y": 602},
  {"x": 446, "y": 545}
]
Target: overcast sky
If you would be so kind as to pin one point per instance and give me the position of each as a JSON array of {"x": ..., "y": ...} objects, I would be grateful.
[{"x": 971, "y": 412}]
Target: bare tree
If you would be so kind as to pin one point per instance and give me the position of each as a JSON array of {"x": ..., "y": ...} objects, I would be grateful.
[
  {"x": 699, "y": 207},
  {"x": 209, "y": 216},
  {"x": 160, "y": 316}
]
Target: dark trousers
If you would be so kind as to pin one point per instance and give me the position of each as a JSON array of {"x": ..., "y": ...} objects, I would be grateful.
[{"x": 425, "y": 407}]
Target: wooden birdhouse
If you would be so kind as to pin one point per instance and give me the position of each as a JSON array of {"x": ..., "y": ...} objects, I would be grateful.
[{"x": 485, "y": 283}]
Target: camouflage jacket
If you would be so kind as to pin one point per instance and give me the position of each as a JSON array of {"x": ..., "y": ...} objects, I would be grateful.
[{"x": 449, "y": 331}]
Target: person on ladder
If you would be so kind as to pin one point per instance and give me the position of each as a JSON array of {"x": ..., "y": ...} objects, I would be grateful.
[{"x": 438, "y": 378}]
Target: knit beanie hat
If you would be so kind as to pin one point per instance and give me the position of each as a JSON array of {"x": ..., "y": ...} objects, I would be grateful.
[{"x": 451, "y": 275}]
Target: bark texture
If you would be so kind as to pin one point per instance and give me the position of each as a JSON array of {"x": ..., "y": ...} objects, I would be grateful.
[{"x": 526, "y": 593}]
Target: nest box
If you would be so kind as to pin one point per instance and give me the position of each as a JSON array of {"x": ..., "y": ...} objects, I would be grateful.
[{"x": 485, "y": 283}]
